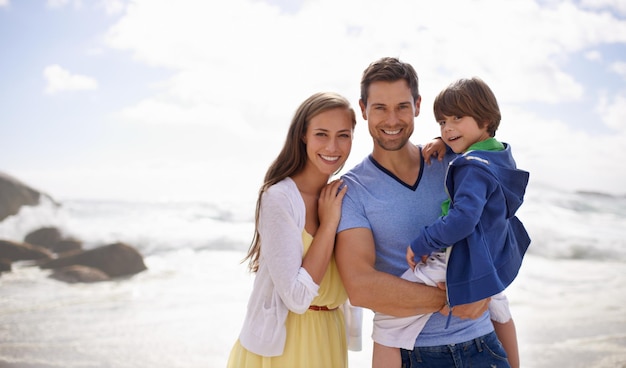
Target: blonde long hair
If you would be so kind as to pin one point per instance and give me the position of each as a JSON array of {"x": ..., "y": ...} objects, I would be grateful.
[{"x": 292, "y": 158}]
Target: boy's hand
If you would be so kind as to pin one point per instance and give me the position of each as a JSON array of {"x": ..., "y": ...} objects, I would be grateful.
[
  {"x": 410, "y": 258},
  {"x": 434, "y": 148},
  {"x": 466, "y": 311}
]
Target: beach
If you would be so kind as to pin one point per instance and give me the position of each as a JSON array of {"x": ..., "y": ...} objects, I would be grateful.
[{"x": 568, "y": 302}]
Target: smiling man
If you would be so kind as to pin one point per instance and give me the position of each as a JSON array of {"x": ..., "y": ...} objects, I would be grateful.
[{"x": 391, "y": 195}]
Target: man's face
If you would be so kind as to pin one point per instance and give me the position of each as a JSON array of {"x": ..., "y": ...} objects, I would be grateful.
[{"x": 389, "y": 112}]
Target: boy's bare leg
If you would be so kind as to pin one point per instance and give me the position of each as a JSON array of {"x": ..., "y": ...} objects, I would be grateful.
[
  {"x": 386, "y": 357},
  {"x": 508, "y": 337}
]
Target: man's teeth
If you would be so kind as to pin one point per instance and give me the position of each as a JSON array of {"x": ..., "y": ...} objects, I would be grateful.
[
  {"x": 391, "y": 132},
  {"x": 330, "y": 158}
]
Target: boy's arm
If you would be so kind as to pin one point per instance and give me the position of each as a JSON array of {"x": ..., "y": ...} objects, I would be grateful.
[
  {"x": 508, "y": 337},
  {"x": 472, "y": 188}
]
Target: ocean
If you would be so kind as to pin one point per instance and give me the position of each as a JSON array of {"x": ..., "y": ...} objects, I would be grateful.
[{"x": 569, "y": 301}]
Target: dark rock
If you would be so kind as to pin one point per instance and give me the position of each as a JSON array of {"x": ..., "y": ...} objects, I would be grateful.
[
  {"x": 46, "y": 237},
  {"x": 14, "y": 194},
  {"x": 52, "y": 239},
  {"x": 118, "y": 259},
  {"x": 15, "y": 251},
  {"x": 78, "y": 273},
  {"x": 5, "y": 265},
  {"x": 67, "y": 245}
]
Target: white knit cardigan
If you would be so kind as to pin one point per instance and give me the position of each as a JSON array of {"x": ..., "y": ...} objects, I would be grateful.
[{"x": 281, "y": 284}]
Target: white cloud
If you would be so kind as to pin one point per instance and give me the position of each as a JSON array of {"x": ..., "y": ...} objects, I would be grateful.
[
  {"x": 4, "y": 3},
  {"x": 61, "y": 80},
  {"x": 113, "y": 6},
  {"x": 619, "y": 68},
  {"x": 252, "y": 45},
  {"x": 618, "y": 6},
  {"x": 158, "y": 112},
  {"x": 61, "y": 3},
  {"x": 612, "y": 111},
  {"x": 110, "y": 6},
  {"x": 593, "y": 55},
  {"x": 247, "y": 65}
]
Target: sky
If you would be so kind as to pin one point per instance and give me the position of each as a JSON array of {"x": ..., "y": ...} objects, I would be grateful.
[{"x": 191, "y": 100}]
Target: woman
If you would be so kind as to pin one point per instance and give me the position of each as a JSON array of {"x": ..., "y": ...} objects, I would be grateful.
[{"x": 293, "y": 318}]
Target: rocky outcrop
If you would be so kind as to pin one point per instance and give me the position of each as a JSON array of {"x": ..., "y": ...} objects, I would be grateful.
[
  {"x": 45, "y": 237},
  {"x": 68, "y": 245},
  {"x": 78, "y": 273},
  {"x": 52, "y": 239},
  {"x": 14, "y": 194},
  {"x": 15, "y": 251},
  {"x": 5, "y": 265},
  {"x": 49, "y": 249},
  {"x": 115, "y": 260}
]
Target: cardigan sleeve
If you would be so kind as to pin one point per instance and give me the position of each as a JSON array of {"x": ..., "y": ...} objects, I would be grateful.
[{"x": 281, "y": 222}]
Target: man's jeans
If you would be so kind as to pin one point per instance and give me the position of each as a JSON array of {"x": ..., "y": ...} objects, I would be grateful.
[{"x": 485, "y": 351}]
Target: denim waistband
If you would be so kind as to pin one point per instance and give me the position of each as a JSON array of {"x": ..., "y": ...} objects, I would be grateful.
[{"x": 445, "y": 348}]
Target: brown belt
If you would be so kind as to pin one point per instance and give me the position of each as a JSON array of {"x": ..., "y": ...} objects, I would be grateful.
[{"x": 321, "y": 308}]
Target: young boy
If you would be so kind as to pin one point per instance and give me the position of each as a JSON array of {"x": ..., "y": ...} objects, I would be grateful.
[{"x": 477, "y": 245}]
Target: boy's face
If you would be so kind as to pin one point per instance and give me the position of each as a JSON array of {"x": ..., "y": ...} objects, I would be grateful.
[{"x": 461, "y": 132}]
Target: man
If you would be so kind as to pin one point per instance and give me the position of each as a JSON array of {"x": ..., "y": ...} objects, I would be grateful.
[{"x": 391, "y": 195}]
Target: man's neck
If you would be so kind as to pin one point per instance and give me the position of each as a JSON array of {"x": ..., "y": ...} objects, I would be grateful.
[{"x": 403, "y": 163}]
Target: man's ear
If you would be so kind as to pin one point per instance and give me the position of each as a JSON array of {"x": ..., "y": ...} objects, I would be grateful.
[
  {"x": 363, "y": 107},
  {"x": 417, "y": 105}
]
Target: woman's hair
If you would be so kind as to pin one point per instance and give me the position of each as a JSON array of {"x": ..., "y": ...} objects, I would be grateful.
[
  {"x": 293, "y": 157},
  {"x": 469, "y": 97},
  {"x": 389, "y": 69}
]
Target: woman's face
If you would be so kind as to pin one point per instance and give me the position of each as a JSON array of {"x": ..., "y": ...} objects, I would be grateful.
[{"x": 329, "y": 140}]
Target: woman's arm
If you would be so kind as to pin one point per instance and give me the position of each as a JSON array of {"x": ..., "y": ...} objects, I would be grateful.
[{"x": 329, "y": 212}]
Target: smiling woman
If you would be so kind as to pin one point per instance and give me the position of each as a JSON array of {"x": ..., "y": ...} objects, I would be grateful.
[{"x": 294, "y": 317}]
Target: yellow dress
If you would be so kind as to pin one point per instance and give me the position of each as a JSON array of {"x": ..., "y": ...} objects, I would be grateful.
[{"x": 315, "y": 339}]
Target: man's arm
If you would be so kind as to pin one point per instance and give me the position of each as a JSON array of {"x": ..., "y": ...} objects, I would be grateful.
[{"x": 355, "y": 255}]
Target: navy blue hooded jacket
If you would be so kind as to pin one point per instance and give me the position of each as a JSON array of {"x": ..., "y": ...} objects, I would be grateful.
[{"x": 489, "y": 241}]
